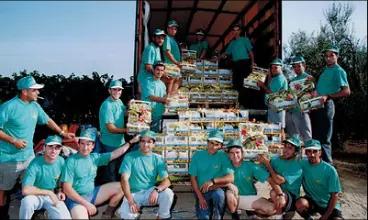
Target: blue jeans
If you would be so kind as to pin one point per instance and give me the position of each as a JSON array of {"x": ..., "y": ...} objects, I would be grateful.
[
  {"x": 322, "y": 121},
  {"x": 215, "y": 205},
  {"x": 299, "y": 123}
]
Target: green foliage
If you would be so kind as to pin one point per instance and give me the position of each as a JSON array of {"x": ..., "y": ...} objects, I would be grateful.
[{"x": 349, "y": 118}]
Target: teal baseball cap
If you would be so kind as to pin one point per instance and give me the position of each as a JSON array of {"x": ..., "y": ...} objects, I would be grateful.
[
  {"x": 28, "y": 82},
  {"x": 159, "y": 32},
  {"x": 234, "y": 143},
  {"x": 298, "y": 59},
  {"x": 276, "y": 61},
  {"x": 53, "y": 140},
  {"x": 216, "y": 135},
  {"x": 332, "y": 48},
  {"x": 149, "y": 134},
  {"x": 89, "y": 134},
  {"x": 312, "y": 144},
  {"x": 172, "y": 23},
  {"x": 295, "y": 141},
  {"x": 116, "y": 84}
]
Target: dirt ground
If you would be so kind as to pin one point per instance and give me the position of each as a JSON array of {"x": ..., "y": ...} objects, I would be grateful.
[{"x": 353, "y": 200}]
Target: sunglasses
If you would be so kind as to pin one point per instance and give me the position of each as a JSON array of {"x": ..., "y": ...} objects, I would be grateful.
[{"x": 311, "y": 151}]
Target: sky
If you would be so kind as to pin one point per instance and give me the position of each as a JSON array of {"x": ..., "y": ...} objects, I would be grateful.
[{"x": 64, "y": 37}]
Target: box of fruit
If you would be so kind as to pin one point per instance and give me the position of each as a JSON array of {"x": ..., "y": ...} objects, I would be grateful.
[
  {"x": 258, "y": 74},
  {"x": 301, "y": 86},
  {"x": 282, "y": 100},
  {"x": 139, "y": 116},
  {"x": 308, "y": 102}
]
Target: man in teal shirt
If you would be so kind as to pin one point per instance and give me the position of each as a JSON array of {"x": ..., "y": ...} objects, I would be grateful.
[
  {"x": 240, "y": 50},
  {"x": 207, "y": 169},
  {"x": 286, "y": 171},
  {"x": 298, "y": 122},
  {"x": 332, "y": 84},
  {"x": 79, "y": 174},
  {"x": 276, "y": 82},
  {"x": 40, "y": 185},
  {"x": 155, "y": 92},
  {"x": 18, "y": 119},
  {"x": 172, "y": 55},
  {"x": 200, "y": 46},
  {"x": 111, "y": 116},
  {"x": 139, "y": 173},
  {"x": 151, "y": 55},
  {"x": 321, "y": 184}
]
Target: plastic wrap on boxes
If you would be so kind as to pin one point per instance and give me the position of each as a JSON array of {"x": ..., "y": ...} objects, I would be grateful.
[
  {"x": 282, "y": 100},
  {"x": 301, "y": 86},
  {"x": 251, "y": 81},
  {"x": 250, "y": 129},
  {"x": 174, "y": 140},
  {"x": 160, "y": 140},
  {"x": 306, "y": 103},
  {"x": 244, "y": 114},
  {"x": 190, "y": 115},
  {"x": 177, "y": 154},
  {"x": 225, "y": 72},
  {"x": 195, "y": 80},
  {"x": 177, "y": 168},
  {"x": 139, "y": 116},
  {"x": 173, "y": 126},
  {"x": 272, "y": 129},
  {"x": 229, "y": 94},
  {"x": 137, "y": 127},
  {"x": 199, "y": 139},
  {"x": 177, "y": 102}
]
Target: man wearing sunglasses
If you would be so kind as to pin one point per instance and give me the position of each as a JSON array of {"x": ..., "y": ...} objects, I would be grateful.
[
  {"x": 321, "y": 184},
  {"x": 18, "y": 119},
  {"x": 41, "y": 187},
  {"x": 207, "y": 169}
]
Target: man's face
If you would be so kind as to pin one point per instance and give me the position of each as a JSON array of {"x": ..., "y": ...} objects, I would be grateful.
[
  {"x": 115, "y": 93},
  {"x": 288, "y": 151},
  {"x": 275, "y": 69},
  {"x": 199, "y": 37},
  {"x": 52, "y": 151},
  {"x": 159, "y": 40},
  {"x": 236, "y": 31},
  {"x": 146, "y": 145},
  {"x": 236, "y": 155},
  {"x": 31, "y": 94},
  {"x": 85, "y": 147},
  {"x": 159, "y": 71},
  {"x": 299, "y": 68},
  {"x": 331, "y": 58},
  {"x": 313, "y": 155},
  {"x": 172, "y": 31},
  {"x": 213, "y": 146}
]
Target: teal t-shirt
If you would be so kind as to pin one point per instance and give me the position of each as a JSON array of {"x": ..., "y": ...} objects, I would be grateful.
[
  {"x": 239, "y": 49},
  {"x": 245, "y": 175},
  {"x": 154, "y": 88},
  {"x": 151, "y": 55},
  {"x": 171, "y": 45},
  {"x": 331, "y": 80},
  {"x": 206, "y": 166},
  {"x": 18, "y": 119},
  {"x": 143, "y": 170},
  {"x": 292, "y": 172},
  {"x": 42, "y": 174},
  {"x": 319, "y": 181},
  {"x": 199, "y": 47},
  {"x": 81, "y": 171},
  {"x": 112, "y": 111},
  {"x": 298, "y": 77}
]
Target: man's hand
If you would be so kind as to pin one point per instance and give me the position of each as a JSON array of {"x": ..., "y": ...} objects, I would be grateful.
[
  {"x": 279, "y": 204},
  {"x": 68, "y": 135},
  {"x": 61, "y": 196},
  {"x": 135, "y": 139},
  {"x": 91, "y": 209},
  {"x": 261, "y": 84},
  {"x": 202, "y": 202},
  {"x": 153, "y": 197},
  {"x": 205, "y": 187},
  {"x": 233, "y": 189},
  {"x": 55, "y": 200},
  {"x": 133, "y": 207},
  {"x": 263, "y": 159},
  {"x": 20, "y": 144}
]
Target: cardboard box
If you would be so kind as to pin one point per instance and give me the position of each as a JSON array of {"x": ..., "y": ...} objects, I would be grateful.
[
  {"x": 301, "y": 86},
  {"x": 174, "y": 140},
  {"x": 177, "y": 168},
  {"x": 175, "y": 154},
  {"x": 310, "y": 104}
]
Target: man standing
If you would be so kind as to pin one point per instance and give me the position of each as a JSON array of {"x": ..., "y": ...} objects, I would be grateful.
[
  {"x": 79, "y": 174},
  {"x": 155, "y": 92},
  {"x": 112, "y": 112},
  {"x": 240, "y": 50},
  {"x": 172, "y": 55},
  {"x": 200, "y": 46},
  {"x": 331, "y": 85},
  {"x": 298, "y": 122},
  {"x": 41, "y": 188},
  {"x": 209, "y": 168},
  {"x": 18, "y": 119},
  {"x": 139, "y": 173},
  {"x": 151, "y": 55},
  {"x": 321, "y": 184}
]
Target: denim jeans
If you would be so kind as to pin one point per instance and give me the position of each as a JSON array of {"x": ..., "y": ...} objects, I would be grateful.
[
  {"x": 276, "y": 117},
  {"x": 32, "y": 202},
  {"x": 215, "y": 205},
  {"x": 322, "y": 120},
  {"x": 299, "y": 123}
]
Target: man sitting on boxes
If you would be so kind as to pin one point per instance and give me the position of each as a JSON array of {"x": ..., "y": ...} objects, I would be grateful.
[
  {"x": 286, "y": 171},
  {"x": 139, "y": 173},
  {"x": 155, "y": 92},
  {"x": 276, "y": 82},
  {"x": 79, "y": 176},
  {"x": 40, "y": 186},
  {"x": 243, "y": 194},
  {"x": 321, "y": 184},
  {"x": 207, "y": 169}
]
